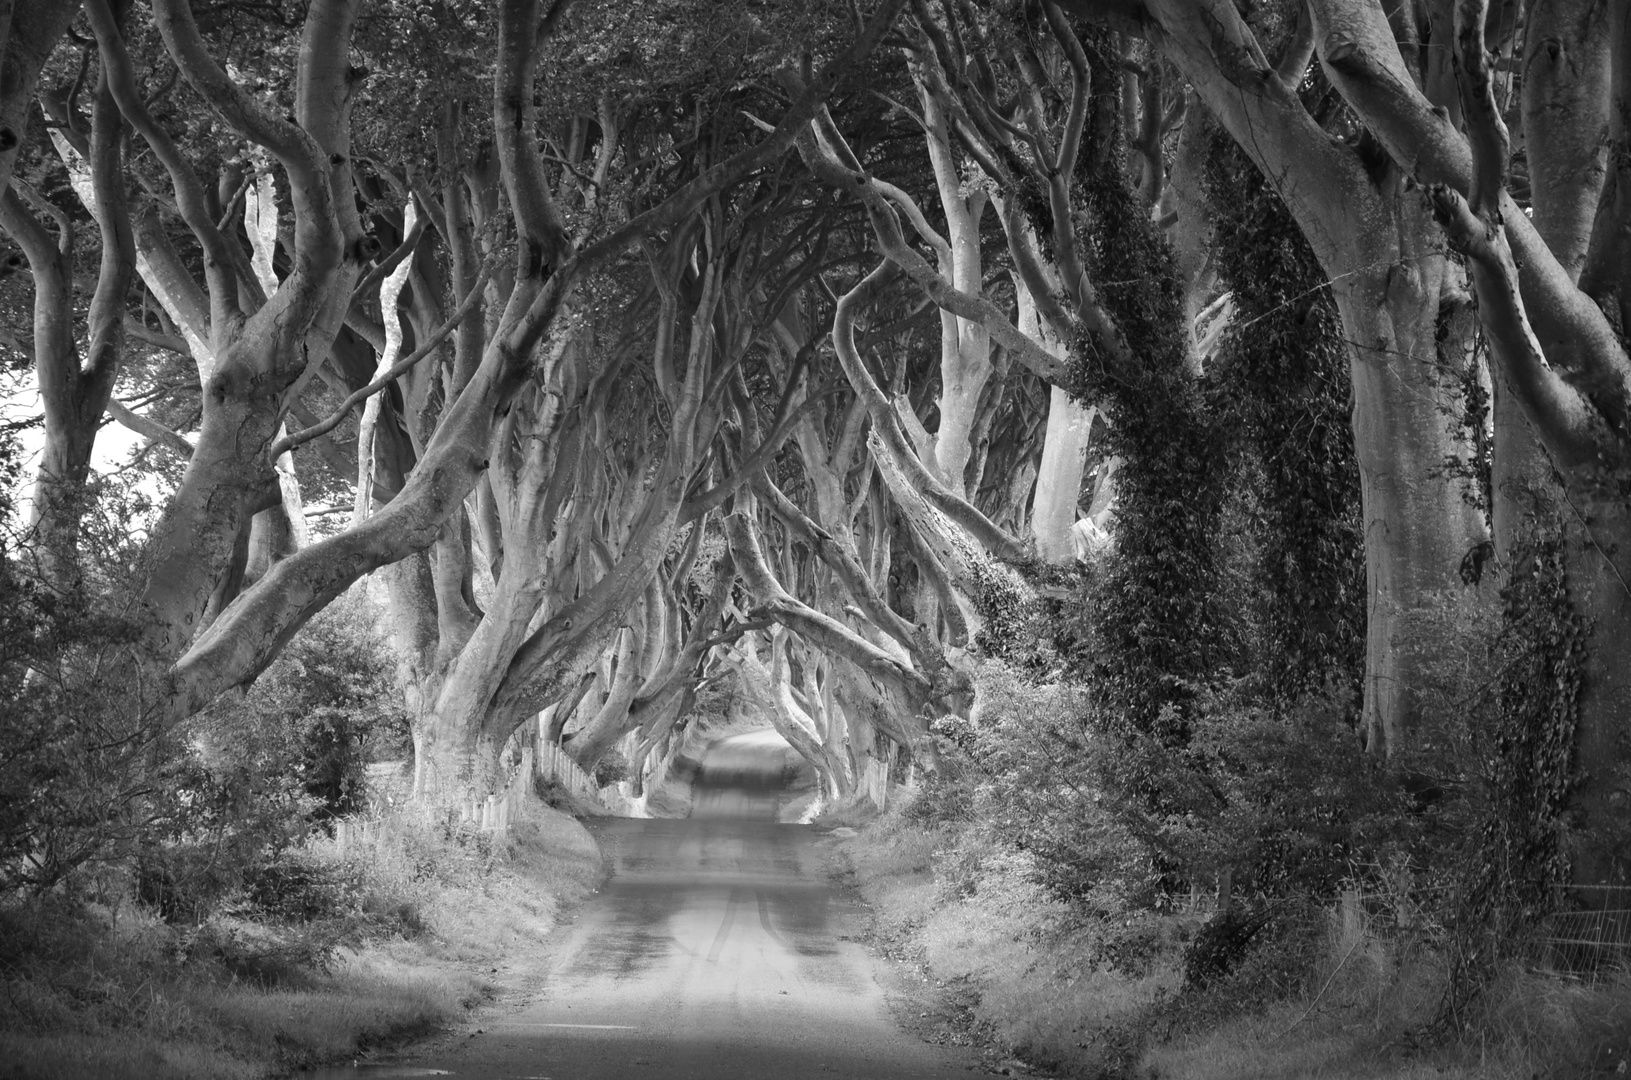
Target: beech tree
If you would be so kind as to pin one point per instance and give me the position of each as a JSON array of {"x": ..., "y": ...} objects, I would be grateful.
[
  {"x": 493, "y": 402},
  {"x": 811, "y": 348},
  {"x": 1401, "y": 185},
  {"x": 75, "y": 383}
]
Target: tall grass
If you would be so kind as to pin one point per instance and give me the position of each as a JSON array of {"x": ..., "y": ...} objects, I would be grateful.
[
  {"x": 1366, "y": 1013},
  {"x": 1030, "y": 972},
  {"x": 108, "y": 990},
  {"x": 1338, "y": 991},
  {"x": 1046, "y": 988}
]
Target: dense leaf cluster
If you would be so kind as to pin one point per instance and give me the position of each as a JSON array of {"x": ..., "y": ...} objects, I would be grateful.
[
  {"x": 1159, "y": 633},
  {"x": 1221, "y": 643},
  {"x": 1275, "y": 806},
  {"x": 1283, "y": 372},
  {"x": 1530, "y": 716},
  {"x": 84, "y": 770},
  {"x": 90, "y": 775},
  {"x": 266, "y": 767},
  {"x": 316, "y": 716}
]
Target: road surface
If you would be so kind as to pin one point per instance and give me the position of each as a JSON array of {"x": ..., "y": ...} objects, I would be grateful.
[{"x": 719, "y": 949}]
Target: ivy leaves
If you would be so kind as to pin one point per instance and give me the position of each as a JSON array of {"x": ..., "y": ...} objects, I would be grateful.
[{"x": 1282, "y": 373}]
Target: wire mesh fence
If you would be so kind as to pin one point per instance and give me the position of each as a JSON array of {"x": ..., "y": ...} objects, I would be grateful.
[
  {"x": 1588, "y": 934},
  {"x": 1584, "y": 937}
]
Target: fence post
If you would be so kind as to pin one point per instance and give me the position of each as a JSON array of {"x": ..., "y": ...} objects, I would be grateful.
[{"x": 1353, "y": 923}]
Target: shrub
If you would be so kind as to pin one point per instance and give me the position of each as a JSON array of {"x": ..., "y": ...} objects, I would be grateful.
[
  {"x": 940, "y": 798},
  {"x": 89, "y": 775},
  {"x": 85, "y": 767},
  {"x": 300, "y": 888},
  {"x": 1280, "y": 803},
  {"x": 612, "y": 768},
  {"x": 318, "y": 714}
]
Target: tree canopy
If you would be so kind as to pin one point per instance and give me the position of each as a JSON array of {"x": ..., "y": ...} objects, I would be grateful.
[{"x": 1220, "y": 364}]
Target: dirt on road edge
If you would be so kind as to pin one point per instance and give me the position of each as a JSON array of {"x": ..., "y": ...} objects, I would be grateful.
[{"x": 931, "y": 1009}]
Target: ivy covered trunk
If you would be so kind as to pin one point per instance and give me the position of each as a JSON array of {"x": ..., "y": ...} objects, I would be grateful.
[
  {"x": 1379, "y": 249},
  {"x": 1283, "y": 371},
  {"x": 1164, "y": 634},
  {"x": 1598, "y": 810}
]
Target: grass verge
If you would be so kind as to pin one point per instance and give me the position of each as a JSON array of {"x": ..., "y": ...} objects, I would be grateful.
[
  {"x": 1330, "y": 993},
  {"x": 415, "y": 929}
]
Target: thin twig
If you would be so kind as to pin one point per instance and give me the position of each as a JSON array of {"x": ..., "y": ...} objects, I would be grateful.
[
  {"x": 1323, "y": 989},
  {"x": 1585, "y": 527},
  {"x": 323, "y": 427}
]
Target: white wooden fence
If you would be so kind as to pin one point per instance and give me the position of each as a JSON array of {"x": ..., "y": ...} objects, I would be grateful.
[
  {"x": 492, "y": 814},
  {"x": 496, "y": 811},
  {"x": 545, "y": 760},
  {"x": 556, "y": 766},
  {"x": 354, "y": 833},
  {"x": 665, "y": 761}
]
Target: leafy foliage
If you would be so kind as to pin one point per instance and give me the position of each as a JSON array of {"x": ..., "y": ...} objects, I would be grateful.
[
  {"x": 317, "y": 715},
  {"x": 1278, "y": 809},
  {"x": 1544, "y": 646},
  {"x": 612, "y": 768},
  {"x": 1282, "y": 370},
  {"x": 1282, "y": 803},
  {"x": 90, "y": 776},
  {"x": 1529, "y": 716},
  {"x": 1160, "y": 635},
  {"x": 266, "y": 766},
  {"x": 84, "y": 767}
]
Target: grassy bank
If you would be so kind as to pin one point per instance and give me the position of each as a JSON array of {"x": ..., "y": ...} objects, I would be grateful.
[
  {"x": 1340, "y": 992},
  {"x": 348, "y": 952}
]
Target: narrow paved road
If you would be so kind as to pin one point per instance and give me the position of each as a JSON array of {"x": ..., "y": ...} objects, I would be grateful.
[{"x": 718, "y": 950}]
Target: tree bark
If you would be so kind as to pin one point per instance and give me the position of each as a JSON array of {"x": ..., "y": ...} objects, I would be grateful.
[
  {"x": 1418, "y": 522},
  {"x": 75, "y": 393},
  {"x": 1597, "y": 531},
  {"x": 771, "y": 690},
  {"x": 1064, "y": 454},
  {"x": 1567, "y": 66},
  {"x": 29, "y": 31},
  {"x": 1059, "y": 477},
  {"x": 1388, "y": 281}
]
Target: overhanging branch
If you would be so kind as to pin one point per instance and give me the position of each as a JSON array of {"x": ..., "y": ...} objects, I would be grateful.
[{"x": 398, "y": 369}]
